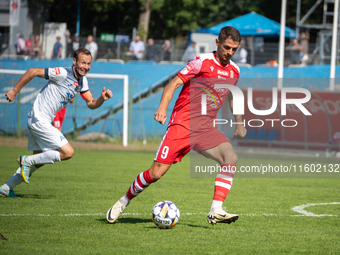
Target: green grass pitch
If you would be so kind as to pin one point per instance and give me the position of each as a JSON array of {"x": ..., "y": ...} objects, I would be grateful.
[{"x": 62, "y": 210}]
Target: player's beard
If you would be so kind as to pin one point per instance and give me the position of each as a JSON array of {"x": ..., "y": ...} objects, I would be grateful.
[
  {"x": 224, "y": 58},
  {"x": 80, "y": 71}
]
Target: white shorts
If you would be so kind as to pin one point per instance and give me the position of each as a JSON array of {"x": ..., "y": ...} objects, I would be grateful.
[{"x": 43, "y": 136}]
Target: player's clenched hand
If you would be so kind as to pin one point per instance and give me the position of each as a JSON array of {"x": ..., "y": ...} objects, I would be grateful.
[
  {"x": 160, "y": 116},
  {"x": 10, "y": 95},
  {"x": 106, "y": 94},
  {"x": 240, "y": 132}
]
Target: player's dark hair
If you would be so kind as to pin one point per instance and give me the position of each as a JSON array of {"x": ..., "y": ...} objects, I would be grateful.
[
  {"x": 229, "y": 33},
  {"x": 81, "y": 51}
]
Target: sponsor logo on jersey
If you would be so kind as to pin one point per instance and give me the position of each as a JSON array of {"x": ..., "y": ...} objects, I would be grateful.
[
  {"x": 211, "y": 68},
  {"x": 76, "y": 83},
  {"x": 62, "y": 138},
  {"x": 222, "y": 72},
  {"x": 57, "y": 71},
  {"x": 231, "y": 74}
]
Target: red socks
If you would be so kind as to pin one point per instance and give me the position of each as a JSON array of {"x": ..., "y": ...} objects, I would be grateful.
[
  {"x": 142, "y": 181},
  {"x": 223, "y": 181}
]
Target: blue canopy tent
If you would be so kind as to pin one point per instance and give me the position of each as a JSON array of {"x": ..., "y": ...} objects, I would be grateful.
[{"x": 253, "y": 24}]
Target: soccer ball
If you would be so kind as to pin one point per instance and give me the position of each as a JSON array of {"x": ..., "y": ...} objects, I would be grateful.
[{"x": 165, "y": 214}]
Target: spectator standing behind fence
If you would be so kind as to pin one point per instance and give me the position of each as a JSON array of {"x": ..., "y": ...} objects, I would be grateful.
[
  {"x": 137, "y": 48},
  {"x": 57, "y": 49},
  {"x": 151, "y": 50},
  {"x": 109, "y": 54},
  {"x": 28, "y": 44},
  {"x": 75, "y": 43},
  {"x": 295, "y": 50},
  {"x": 20, "y": 45},
  {"x": 166, "y": 51},
  {"x": 37, "y": 46},
  {"x": 69, "y": 50},
  {"x": 190, "y": 52},
  {"x": 92, "y": 46},
  {"x": 241, "y": 54}
]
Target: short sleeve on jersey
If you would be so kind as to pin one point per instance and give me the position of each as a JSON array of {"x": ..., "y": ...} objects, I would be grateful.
[
  {"x": 85, "y": 92},
  {"x": 191, "y": 70},
  {"x": 57, "y": 74}
]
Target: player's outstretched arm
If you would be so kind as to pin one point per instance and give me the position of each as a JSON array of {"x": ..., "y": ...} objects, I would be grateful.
[
  {"x": 160, "y": 114},
  {"x": 240, "y": 130},
  {"x": 93, "y": 103},
  {"x": 24, "y": 79}
]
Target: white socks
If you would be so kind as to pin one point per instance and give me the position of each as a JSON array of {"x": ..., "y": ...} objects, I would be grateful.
[
  {"x": 47, "y": 157},
  {"x": 124, "y": 200},
  {"x": 13, "y": 181},
  {"x": 216, "y": 205}
]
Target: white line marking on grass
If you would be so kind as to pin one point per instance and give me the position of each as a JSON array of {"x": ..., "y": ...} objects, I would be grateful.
[{"x": 300, "y": 209}]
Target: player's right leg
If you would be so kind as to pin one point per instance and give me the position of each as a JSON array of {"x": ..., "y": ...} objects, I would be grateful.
[
  {"x": 29, "y": 164},
  {"x": 175, "y": 144},
  {"x": 142, "y": 181},
  {"x": 49, "y": 142},
  {"x": 6, "y": 190}
]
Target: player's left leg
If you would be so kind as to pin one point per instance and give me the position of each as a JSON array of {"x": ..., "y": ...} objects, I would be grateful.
[
  {"x": 225, "y": 155},
  {"x": 16, "y": 179}
]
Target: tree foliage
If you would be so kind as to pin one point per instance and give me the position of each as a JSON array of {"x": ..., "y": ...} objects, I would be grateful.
[{"x": 169, "y": 18}]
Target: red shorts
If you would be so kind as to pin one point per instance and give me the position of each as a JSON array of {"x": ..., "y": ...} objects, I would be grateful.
[
  {"x": 59, "y": 118},
  {"x": 178, "y": 141}
]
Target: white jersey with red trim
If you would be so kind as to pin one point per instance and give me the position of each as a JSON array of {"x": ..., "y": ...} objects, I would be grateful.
[
  {"x": 61, "y": 87},
  {"x": 200, "y": 76}
]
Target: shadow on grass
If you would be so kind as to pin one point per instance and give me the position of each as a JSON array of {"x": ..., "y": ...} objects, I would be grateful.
[
  {"x": 195, "y": 226},
  {"x": 139, "y": 220},
  {"x": 128, "y": 220},
  {"x": 182, "y": 224},
  {"x": 35, "y": 196}
]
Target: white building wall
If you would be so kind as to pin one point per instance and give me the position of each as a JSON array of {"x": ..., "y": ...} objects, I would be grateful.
[
  {"x": 51, "y": 31},
  {"x": 205, "y": 42}
]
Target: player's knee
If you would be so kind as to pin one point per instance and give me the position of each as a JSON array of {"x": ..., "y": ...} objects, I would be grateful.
[
  {"x": 156, "y": 176},
  {"x": 231, "y": 157},
  {"x": 157, "y": 170},
  {"x": 234, "y": 158},
  {"x": 68, "y": 154}
]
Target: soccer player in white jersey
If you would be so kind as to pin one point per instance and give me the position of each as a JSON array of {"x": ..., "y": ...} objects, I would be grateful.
[
  {"x": 189, "y": 129},
  {"x": 47, "y": 142}
]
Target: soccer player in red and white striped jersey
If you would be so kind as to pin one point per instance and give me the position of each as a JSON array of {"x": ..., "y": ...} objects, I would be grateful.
[{"x": 189, "y": 129}]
